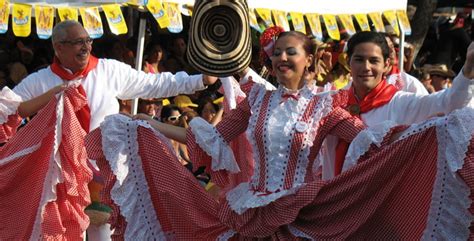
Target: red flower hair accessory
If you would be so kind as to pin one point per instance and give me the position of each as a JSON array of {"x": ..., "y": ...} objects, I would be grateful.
[{"x": 267, "y": 43}]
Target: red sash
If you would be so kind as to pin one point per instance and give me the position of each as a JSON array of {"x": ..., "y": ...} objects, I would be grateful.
[
  {"x": 379, "y": 96},
  {"x": 84, "y": 114}
]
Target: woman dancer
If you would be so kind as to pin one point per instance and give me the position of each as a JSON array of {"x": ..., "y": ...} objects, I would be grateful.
[{"x": 283, "y": 199}]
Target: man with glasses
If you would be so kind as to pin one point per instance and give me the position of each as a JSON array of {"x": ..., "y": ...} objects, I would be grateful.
[{"x": 100, "y": 81}]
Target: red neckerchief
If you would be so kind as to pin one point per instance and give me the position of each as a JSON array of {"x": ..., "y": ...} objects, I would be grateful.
[
  {"x": 379, "y": 96},
  {"x": 84, "y": 114}
]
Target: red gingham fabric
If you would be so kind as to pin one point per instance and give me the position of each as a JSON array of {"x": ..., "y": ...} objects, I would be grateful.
[
  {"x": 8, "y": 129},
  {"x": 386, "y": 196},
  {"x": 200, "y": 158},
  {"x": 21, "y": 182}
]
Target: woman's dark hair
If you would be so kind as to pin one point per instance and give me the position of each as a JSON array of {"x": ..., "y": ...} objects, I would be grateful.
[
  {"x": 166, "y": 111},
  {"x": 202, "y": 102},
  {"x": 308, "y": 45},
  {"x": 368, "y": 37}
]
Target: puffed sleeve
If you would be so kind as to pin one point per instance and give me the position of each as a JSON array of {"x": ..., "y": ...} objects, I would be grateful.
[
  {"x": 209, "y": 145},
  {"x": 9, "y": 118},
  {"x": 342, "y": 124}
]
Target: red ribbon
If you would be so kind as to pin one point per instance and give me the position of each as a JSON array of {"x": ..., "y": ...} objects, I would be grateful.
[{"x": 83, "y": 114}]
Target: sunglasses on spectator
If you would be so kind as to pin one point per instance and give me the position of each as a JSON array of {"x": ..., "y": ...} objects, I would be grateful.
[
  {"x": 173, "y": 117},
  {"x": 78, "y": 42}
]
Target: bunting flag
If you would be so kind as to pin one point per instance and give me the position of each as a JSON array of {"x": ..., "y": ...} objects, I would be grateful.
[
  {"x": 115, "y": 18},
  {"x": 391, "y": 17},
  {"x": 297, "y": 20},
  {"x": 266, "y": 16},
  {"x": 135, "y": 2},
  {"x": 176, "y": 22},
  {"x": 281, "y": 19},
  {"x": 66, "y": 13},
  {"x": 362, "y": 21},
  {"x": 4, "y": 15},
  {"x": 92, "y": 21},
  {"x": 331, "y": 26},
  {"x": 315, "y": 25},
  {"x": 44, "y": 21},
  {"x": 253, "y": 21},
  {"x": 156, "y": 9},
  {"x": 377, "y": 21},
  {"x": 348, "y": 24},
  {"x": 21, "y": 20},
  {"x": 404, "y": 22}
]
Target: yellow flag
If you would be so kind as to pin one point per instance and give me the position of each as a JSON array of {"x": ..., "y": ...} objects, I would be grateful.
[
  {"x": 156, "y": 9},
  {"x": 66, "y": 13},
  {"x": 315, "y": 25},
  {"x": 298, "y": 22},
  {"x": 44, "y": 21},
  {"x": 281, "y": 19},
  {"x": 266, "y": 16},
  {"x": 377, "y": 21},
  {"x": 253, "y": 20},
  {"x": 331, "y": 26},
  {"x": 4, "y": 15},
  {"x": 135, "y": 2},
  {"x": 92, "y": 22},
  {"x": 404, "y": 22},
  {"x": 21, "y": 20},
  {"x": 348, "y": 24},
  {"x": 176, "y": 22},
  {"x": 391, "y": 17},
  {"x": 115, "y": 18},
  {"x": 362, "y": 21}
]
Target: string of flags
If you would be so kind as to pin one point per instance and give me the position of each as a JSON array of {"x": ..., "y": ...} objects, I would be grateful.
[{"x": 169, "y": 15}]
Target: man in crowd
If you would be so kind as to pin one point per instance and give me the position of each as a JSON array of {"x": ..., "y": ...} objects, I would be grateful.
[{"x": 100, "y": 81}]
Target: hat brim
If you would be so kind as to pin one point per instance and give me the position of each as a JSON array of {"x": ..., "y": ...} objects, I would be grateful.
[{"x": 449, "y": 73}]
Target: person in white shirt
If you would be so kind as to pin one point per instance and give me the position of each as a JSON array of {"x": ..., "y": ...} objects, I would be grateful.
[
  {"x": 369, "y": 59},
  {"x": 101, "y": 81}
]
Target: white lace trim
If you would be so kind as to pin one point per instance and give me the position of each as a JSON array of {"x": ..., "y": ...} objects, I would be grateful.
[
  {"x": 241, "y": 198},
  {"x": 298, "y": 233},
  {"x": 131, "y": 192},
  {"x": 53, "y": 175},
  {"x": 209, "y": 139},
  {"x": 362, "y": 142},
  {"x": 226, "y": 236},
  {"x": 449, "y": 217},
  {"x": 9, "y": 102}
]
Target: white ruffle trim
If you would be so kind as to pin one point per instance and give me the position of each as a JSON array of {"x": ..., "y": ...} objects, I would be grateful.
[
  {"x": 131, "y": 191},
  {"x": 362, "y": 142},
  {"x": 9, "y": 102},
  {"x": 53, "y": 176},
  {"x": 449, "y": 217},
  {"x": 241, "y": 198},
  {"x": 209, "y": 139},
  {"x": 298, "y": 233},
  {"x": 226, "y": 235}
]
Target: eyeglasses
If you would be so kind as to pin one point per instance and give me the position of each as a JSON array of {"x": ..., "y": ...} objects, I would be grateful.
[
  {"x": 174, "y": 117},
  {"x": 78, "y": 42}
]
